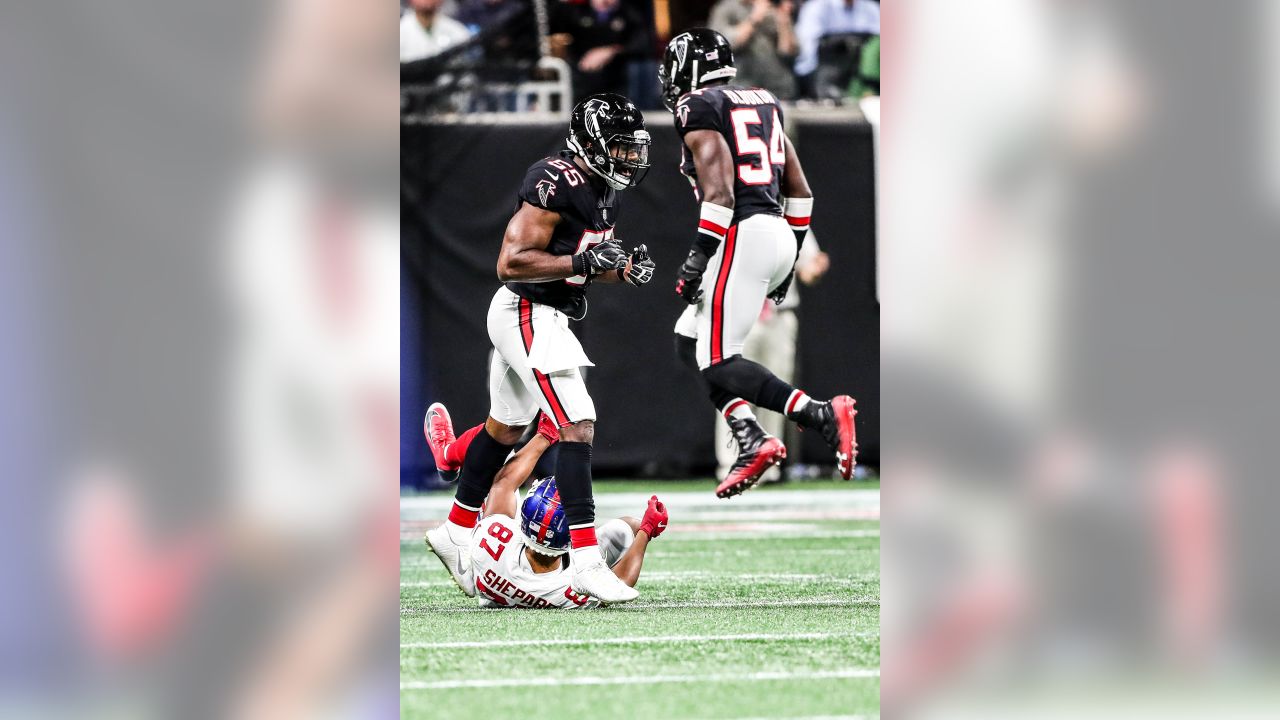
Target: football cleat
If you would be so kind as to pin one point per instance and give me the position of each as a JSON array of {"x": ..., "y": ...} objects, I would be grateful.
[
  {"x": 757, "y": 452},
  {"x": 438, "y": 427},
  {"x": 846, "y": 435},
  {"x": 834, "y": 419},
  {"x": 598, "y": 581},
  {"x": 454, "y": 556}
]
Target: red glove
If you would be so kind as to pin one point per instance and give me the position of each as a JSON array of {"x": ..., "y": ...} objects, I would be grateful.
[
  {"x": 547, "y": 428},
  {"x": 655, "y": 518}
]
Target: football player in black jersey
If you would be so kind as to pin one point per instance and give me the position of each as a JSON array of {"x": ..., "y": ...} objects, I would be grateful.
[
  {"x": 755, "y": 208},
  {"x": 558, "y": 243}
]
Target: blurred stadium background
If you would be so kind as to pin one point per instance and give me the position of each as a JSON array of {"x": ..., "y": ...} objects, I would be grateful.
[{"x": 487, "y": 90}]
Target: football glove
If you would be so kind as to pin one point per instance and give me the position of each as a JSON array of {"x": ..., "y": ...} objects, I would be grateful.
[
  {"x": 689, "y": 282},
  {"x": 599, "y": 259},
  {"x": 641, "y": 270},
  {"x": 655, "y": 518},
  {"x": 547, "y": 428},
  {"x": 780, "y": 293}
]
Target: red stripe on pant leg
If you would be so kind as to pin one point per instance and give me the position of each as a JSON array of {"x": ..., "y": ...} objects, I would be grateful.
[
  {"x": 549, "y": 392},
  {"x": 717, "y": 301},
  {"x": 526, "y": 324},
  {"x": 582, "y": 537}
]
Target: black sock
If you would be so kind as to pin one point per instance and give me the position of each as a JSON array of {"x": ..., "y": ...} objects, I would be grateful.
[
  {"x": 752, "y": 381},
  {"x": 573, "y": 480},
  {"x": 686, "y": 350},
  {"x": 481, "y": 464}
]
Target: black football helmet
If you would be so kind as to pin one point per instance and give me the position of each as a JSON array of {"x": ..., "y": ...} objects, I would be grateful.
[
  {"x": 691, "y": 59},
  {"x": 607, "y": 132}
]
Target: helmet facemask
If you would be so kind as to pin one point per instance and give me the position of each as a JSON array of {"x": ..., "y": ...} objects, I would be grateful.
[{"x": 621, "y": 159}]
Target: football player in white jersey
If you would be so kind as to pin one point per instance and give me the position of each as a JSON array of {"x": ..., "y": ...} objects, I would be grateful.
[{"x": 519, "y": 558}]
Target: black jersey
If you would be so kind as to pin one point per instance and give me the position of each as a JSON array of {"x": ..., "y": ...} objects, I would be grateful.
[
  {"x": 750, "y": 119},
  {"x": 588, "y": 210}
]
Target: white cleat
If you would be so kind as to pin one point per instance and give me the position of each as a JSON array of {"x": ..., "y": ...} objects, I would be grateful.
[
  {"x": 455, "y": 557},
  {"x": 598, "y": 581}
]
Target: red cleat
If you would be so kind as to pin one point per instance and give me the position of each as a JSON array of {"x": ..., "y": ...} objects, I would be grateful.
[
  {"x": 757, "y": 452},
  {"x": 846, "y": 436},
  {"x": 438, "y": 427}
]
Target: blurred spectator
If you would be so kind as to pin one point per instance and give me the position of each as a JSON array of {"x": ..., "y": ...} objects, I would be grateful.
[
  {"x": 772, "y": 343},
  {"x": 603, "y": 36},
  {"x": 483, "y": 14},
  {"x": 822, "y": 18},
  {"x": 426, "y": 31},
  {"x": 763, "y": 39}
]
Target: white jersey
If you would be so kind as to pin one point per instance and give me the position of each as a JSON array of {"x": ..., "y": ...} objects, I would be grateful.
[{"x": 504, "y": 577}]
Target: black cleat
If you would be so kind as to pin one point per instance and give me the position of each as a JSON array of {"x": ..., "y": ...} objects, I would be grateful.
[{"x": 757, "y": 452}]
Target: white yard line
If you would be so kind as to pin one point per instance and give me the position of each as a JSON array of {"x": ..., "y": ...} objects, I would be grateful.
[
  {"x": 770, "y": 501},
  {"x": 677, "y": 576},
  {"x": 651, "y": 640},
  {"x": 755, "y": 533},
  {"x": 705, "y": 605},
  {"x": 640, "y": 679}
]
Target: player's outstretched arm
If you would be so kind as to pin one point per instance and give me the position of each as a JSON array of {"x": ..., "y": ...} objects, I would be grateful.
[
  {"x": 655, "y": 521},
  {"x": 502, "y": 495}
]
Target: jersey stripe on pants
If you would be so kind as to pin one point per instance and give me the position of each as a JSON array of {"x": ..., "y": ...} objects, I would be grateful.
[
  {"x": 544, "y": 382},
  {"x": 717, "y": 300}
]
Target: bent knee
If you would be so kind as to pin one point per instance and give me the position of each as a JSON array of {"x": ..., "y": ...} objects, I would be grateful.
[
  {"x": 583, "y": 431},
  {"x": 504, "y": 434}
]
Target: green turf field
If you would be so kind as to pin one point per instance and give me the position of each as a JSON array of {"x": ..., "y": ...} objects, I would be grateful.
[{"x": 767, "y": 605}]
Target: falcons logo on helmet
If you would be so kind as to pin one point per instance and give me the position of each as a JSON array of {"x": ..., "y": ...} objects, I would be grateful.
[{"x": 546, "y": 189}]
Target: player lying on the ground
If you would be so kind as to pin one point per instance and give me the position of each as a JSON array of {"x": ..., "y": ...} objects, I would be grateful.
[
  {"x": 520, "y": 560},
  {"x": 755, "y": 209}
]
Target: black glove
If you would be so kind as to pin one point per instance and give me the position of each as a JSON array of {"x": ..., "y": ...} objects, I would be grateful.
[
  {"x": 780, "y": 293},
  {"x": 689, "y": 284},
  {"x": 642, "y": 267},
  {"x": 602, "y": 258}
]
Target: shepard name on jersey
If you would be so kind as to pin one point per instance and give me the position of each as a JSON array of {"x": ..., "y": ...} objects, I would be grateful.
[
  {"x": 750, "y": 120},
  {"x": 588, "y": 211},
  {"x": 504, "y": 577}
]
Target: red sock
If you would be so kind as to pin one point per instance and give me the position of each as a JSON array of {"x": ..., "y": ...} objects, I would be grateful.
[
  {"x": 458, "y": 448},
  {"x": 466, "y": 517}
]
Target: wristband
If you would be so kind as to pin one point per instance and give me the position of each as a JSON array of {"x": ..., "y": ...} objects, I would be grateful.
[
  {"x": 579, "y": 264},
  {"x": 713, "y": 224},
  {"x": 797, "y": 212}
]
